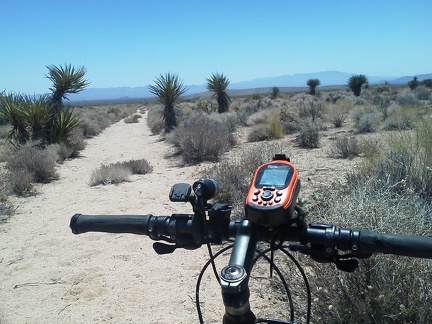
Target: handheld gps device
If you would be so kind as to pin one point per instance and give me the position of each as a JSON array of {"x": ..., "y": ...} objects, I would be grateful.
[{"x": 273, "y": 193}]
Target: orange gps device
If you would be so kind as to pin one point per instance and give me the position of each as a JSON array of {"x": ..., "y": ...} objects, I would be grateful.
[{"x": 273, "y": 193}]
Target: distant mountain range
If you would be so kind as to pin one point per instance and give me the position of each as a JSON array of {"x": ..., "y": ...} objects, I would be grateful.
[{"x": 329, "y": 78}]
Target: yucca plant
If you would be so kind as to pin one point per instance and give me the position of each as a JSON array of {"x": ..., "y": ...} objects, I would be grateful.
[
  {"x": 356, "y": 82},
  {"x": 37, "y": 116},
  {"x": 63, "y": 127},
  {"x": 312, "y": 84},
  {"x": 66, "y": 80},
  {"x": 218, "y": 83},
  {"x": 168, "y": 88},
  {"x": 12, "y": 110}
]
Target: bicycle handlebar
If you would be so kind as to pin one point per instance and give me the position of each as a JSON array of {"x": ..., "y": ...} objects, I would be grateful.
[{"x": 181, "y": 230}]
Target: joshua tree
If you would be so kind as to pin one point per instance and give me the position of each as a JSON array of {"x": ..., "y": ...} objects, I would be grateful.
[
  {"x": 355, "y": 83},
  {"x": 312, "y": 84},
  {"x": 218, "y": 83},
  {"x": 414, "y": 83},
  {"x": 275, "y": 92},
  {"x": 66, "y": 80},
  {"x": 168, "y": 88}
]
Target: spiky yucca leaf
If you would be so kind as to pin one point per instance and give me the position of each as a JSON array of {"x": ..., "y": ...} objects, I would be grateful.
[
  {"x": 63, "y": 126},
  {"x": 11, "y": 109},
  {"x": 66, "y": 80}
]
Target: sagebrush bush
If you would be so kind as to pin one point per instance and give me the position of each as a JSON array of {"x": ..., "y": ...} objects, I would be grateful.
[
  {"x": 132, "y": 119},
  {"x": 398, "y": 119},
  {"x": 345, "y": 147},
  {"x": 407, "y": 97},
  {"x": 312, "y": 109},
  {"x": 39, "y": 162},
  {"x": 110, "y": 174},
  {"x": 141, "y": 166},
  {"x": 155, "y": 120},
  {"x": 422, "y": 93},
  {"x": 20, "y": 182},
  {"x": 116, "y": 173},
  {"x": 201, "y": 138},
  {"x": 270, "y": 128},
  {"x": 309, "y": 136},
  {"x": 366, "y": 119}
]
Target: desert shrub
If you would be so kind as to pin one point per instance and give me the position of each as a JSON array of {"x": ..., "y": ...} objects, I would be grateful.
[
  {"x": 338, "y": 119},
  {"x": 310, "y": 109},
  {"x": 6, "y": 208},
  {"x": 366, "y": 119},
  {"x": 228, "y": 119},
  {"x": 155, "y": 121},
  {"x": 260, "y": 117},
  {"x": 116, "y": 173},
  {"x": 390, "y": 193},
  {"x": 422, "y": 93},
  {"x": 345, "y": 147},
  {"x": 407, "y": 98},
  {"x": 339, "y": 111},
  {"x": 382, "y": 88},
  {"x": 398, "y": 119},
  {"x": 270, "y": 128},
  {"x": 39, "y": 162},
  {"x": 93, "y": 123},
  {"x": 385, "y": 288},
  {"x": 109, "y": 174},
  {"x": 308, "y": 136},
  {"x": 404, "y": 162},
  {"x": 132, "y": 119},
  {"x": 200, "y": 138},
  {"x": 289, "y": 120},
  {"x": 259, "y": 133},
  {"x": 141, "y": 166},
  {"x": 235, "y": 173}
]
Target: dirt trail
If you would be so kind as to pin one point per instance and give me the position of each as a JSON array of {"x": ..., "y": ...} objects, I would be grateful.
[{"x": 49, "y": 275}]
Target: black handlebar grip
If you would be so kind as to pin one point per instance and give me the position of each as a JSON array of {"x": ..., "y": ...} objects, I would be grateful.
[
  {"x": 134, "y": 224},
  {"x": 406, "y": 245}
]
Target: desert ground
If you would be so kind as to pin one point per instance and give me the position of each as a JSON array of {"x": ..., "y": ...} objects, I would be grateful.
[{"x": 49, "y": 275}]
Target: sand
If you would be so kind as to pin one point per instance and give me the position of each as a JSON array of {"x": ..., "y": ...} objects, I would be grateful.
[{"x": 49, "y": 275}]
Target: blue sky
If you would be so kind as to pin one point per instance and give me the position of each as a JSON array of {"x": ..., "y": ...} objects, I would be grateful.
[{"x": 130, "y": 42}]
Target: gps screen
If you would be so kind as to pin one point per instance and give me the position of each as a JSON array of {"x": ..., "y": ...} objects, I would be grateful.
[{"x": 274, "y": 175}]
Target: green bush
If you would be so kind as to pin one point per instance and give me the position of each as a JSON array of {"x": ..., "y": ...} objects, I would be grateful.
[{"x": 201, "y": 138}]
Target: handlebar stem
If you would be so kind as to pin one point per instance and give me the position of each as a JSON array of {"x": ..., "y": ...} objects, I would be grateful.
[{"x": 234, "y": 278}]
